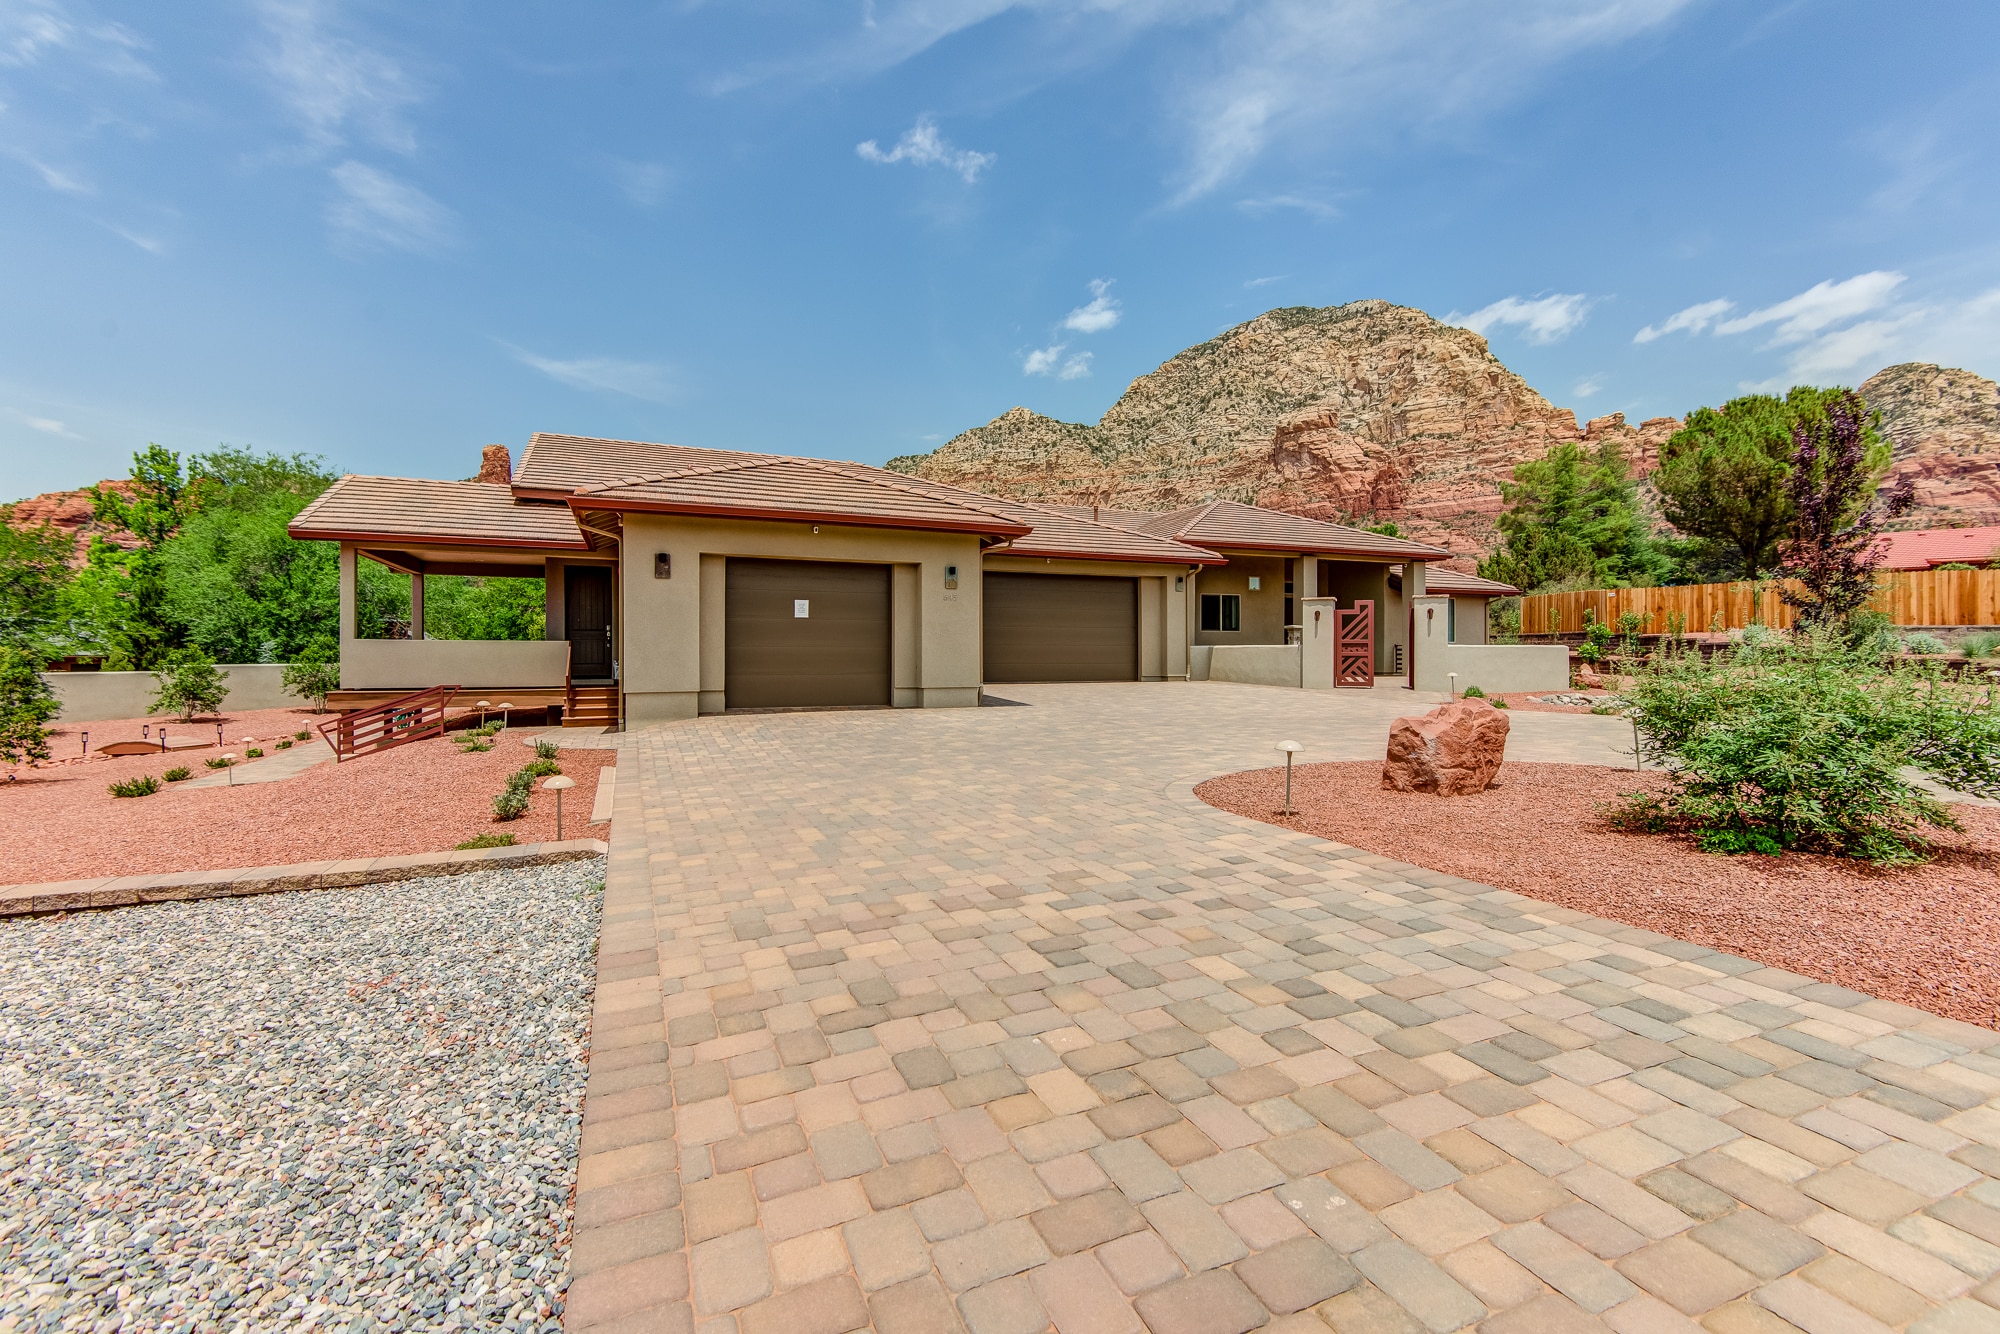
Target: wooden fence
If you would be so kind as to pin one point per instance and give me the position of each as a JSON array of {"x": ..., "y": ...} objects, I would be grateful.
[{"x": 1910, "y": 597}]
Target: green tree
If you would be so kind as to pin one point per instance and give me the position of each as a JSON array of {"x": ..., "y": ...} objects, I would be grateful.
[
  {"x": 314, "y": 672},
  {"x": 1724, "y": 477},
  {"x": 129, "y": 585},
  {"x": 1573, "y": 516},
  {"x": 26, "y": 706},
  {"x": 188, "y": 684},
  {"x": 34, "y": 571}
]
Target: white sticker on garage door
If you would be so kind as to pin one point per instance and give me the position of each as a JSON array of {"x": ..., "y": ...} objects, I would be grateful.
[{"x": 801, "y": 608}]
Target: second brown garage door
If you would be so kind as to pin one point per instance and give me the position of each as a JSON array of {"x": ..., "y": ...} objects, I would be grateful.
[
  {"x": 801, "y": 633},
  {"x": 1052, "y": 627}
]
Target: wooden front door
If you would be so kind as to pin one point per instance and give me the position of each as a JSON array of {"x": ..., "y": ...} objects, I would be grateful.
[
  {"x": 587, "y": 621},
  {"x": 1354, "y": 645}
]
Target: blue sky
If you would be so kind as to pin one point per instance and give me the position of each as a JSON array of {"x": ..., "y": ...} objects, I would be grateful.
[{"x": 390, "y": 234}]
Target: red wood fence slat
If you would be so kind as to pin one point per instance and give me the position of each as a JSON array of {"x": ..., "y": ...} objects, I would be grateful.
[{"x": 1907, "y": 597}]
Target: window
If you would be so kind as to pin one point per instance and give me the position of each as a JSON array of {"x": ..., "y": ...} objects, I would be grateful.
[
  {"x": 1451, "y": 621},
  {"x": 1221, "y": 611}
]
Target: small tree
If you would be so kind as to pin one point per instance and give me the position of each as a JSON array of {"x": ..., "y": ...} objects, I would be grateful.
[
  {"x": 314, "y": 672},
  {"x": 1833, "y": 552},
  {"x": 189, "y": 684},
  {"x": 26, "y": 706}
]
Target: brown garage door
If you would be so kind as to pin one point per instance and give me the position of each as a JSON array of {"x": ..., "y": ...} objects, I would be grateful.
[
  {"x": 1055, "y": 627},
  {"x": 805, "y": 633}
]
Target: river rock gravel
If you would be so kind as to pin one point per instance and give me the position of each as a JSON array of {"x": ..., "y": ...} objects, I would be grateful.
[{"x": 343, "y": 1109}]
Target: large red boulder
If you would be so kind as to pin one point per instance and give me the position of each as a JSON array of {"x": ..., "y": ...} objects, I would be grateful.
[{"x": 1453, "y": 750}]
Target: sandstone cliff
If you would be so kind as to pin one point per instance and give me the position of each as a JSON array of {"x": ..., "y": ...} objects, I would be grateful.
[
  {"x": 1945, "y": 426},
  {"x": 1361, "y": 413},
  {"x": 68, "y": 512}
]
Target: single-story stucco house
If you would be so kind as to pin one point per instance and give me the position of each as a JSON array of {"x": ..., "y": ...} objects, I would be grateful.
[{"x": 682, "y": 581}]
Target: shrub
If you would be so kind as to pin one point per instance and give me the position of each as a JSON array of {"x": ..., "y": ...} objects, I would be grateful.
[
  {"x": 1596, "y": 645},
  {"x": 545, "y": 750},
  {"x": 254, "y": 753},
  {"x": 145, "y": 785},
  {"x": 1498, "y": 702},
  {"x": 520, "y": 781},
  {"x": 188, "y": 684},
  {"x": 26, "y": 705},
  {"x": 302, "y": 736},
  {"x": 511, "y": 804},
  {"x": 540, "y": 767},
  {"x": 1473, "y": 692},
  {"x": 180, "y": 773},
  {"x": 314, "y": 672},
  {"x": 474, "y": 745},
  {"x": 1924, "y": 643},
  {"x": 1802, "y": 744},
  {"x": 219, "y": 762},
  {"x": 487, "y": 841},
  {"x": 1979, "y": 644},
  {"x": 283, "y": 743}
]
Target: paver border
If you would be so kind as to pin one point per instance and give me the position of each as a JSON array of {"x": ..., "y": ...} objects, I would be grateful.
[{"x": 123, "y": 891}]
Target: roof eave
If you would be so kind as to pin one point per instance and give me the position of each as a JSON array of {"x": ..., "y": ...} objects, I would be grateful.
[
  {"x": 606, "y": 502},
  {"x": 1191, "y": 558},
  {"x": 1415, "y": 553},
  {"x": 432, "y": 539}
]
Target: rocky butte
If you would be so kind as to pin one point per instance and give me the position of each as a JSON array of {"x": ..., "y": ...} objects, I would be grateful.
[
  {"x": 1362, "y": 413},
  {"x": 1945, "y": 427}
]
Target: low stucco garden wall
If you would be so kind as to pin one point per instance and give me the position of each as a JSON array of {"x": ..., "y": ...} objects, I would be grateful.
[
  {"x": 89, "y": 696},
  {"x": 1494, "y": 668},
  {"x": 1250, "y": 664}
]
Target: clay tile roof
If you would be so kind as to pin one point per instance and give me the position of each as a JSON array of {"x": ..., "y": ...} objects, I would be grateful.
[
  {"x": 1068, "y": 531},
  {"x": 1439, "y": 580},
  {"x": 559, "y": 464},
  {"x": 1927, "y": 548},
  {"x": 1226, "y": 523},
  {"x": 452, "y": 513},
  {"x": 770, "y": 486}
]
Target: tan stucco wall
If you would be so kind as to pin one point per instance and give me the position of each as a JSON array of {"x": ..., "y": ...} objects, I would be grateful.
[
  {"x": 1471, "y": 625},
  {"x": 1163, "y": 613},
  {"x": 673, "y": 628},
  {"x": 1263, "y": 610}
]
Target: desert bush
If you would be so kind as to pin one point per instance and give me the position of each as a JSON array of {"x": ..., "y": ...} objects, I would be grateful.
[
  {"x": 180, "y": 773},
  {"x": 218, "y": 762},
  {"x": 1979, "y": 644},
  {"x": 145, "y": 785},
  {"x": 1921, "y": 642},
  {"x": 283, "y": 743},
  {"x": 188, "y": 684},
  {"x": 1473, "y": 692},
  {"x": 1498, "y": 702},
  {"x": 1803, "y": 744},
  {"x": 541, "y": 767},
  {"x": 474, "y": 745},
  {"x": 26, "y": 706},
  {"x": 254, "y": 753},
  {"x": 1596, "y": 645},
  {"x": 302, "y": 736},
  {"x": 511, "y": 804},
  {"x": 314, "y": 671},
  {"x": 545, "y": 750},
  {"x": 487, "y": 841}
]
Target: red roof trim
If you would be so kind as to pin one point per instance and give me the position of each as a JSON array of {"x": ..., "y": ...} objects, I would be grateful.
[
  {"x": 998, "y": 527},
  {"x": 431, "y": 540},
  {"x": 1206, "y": 558}
]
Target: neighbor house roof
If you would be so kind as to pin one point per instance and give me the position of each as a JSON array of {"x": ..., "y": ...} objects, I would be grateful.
[
  {"x": 1059, "y": 532},
  {"x": 1223, "y": 524},
  {"x": 772, "y": 486},
  {"x": 1928, "y": 548},
  {"x": 410, "y": 509},
  {"x": 1440, "y": 580},
  {"x": 553, "y": 466}
]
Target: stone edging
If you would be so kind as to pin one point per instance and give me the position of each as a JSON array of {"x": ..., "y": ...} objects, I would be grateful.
[{"x": 120, "y": 891}]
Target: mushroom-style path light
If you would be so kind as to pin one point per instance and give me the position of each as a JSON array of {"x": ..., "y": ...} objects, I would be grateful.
[
  {"x": 483, "y": 707},
  {"x": 1289, "y": 749},
  {"x": 557, "y": 785},
  {"x": 505, "y": 721},
  {"x": 229, "y": 763}
]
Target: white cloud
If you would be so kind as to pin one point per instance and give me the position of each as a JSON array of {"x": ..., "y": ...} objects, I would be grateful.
[
  {"x": 1265, "y": 282},
  {"x": 375, "y": 210},
  {"x": 1051, "y": 361},
  {"x": 644, "y": 183},
  {"x": 1316, "y": 209},
  {"x": 922, "y": 146},
  {"x": 1819, "y": 306},
  {"x": 1589, "y": 387},
  {"x": 73, "y": 78},
  {"x": 637, "y": 379},
  {"x": 1102, "y": 313},
  {"x": 1545, "y": 318},
  {"x": 46, "y": 425},
  {"x": 1693, "y": 320},
  {"x": 335, "y": 87}
]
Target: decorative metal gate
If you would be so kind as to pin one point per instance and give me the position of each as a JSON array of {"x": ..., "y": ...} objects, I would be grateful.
[{"x": 1354, "y": 645}]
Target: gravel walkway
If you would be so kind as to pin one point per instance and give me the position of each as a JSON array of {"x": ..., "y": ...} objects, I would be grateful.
[{"x": 349, "y": 1109}]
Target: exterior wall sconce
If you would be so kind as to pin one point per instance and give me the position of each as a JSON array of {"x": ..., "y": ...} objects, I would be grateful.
[
  {"x": 1256, "y": 582},
  {"x": 1179, "y": 580},
  {"x": 663, "y": 565},
  {"x": 951, "y": 576}
]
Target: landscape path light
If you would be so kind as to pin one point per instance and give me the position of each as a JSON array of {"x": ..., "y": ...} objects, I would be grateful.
[
  {"x": 229, "y": 764},
  {"x": 556, "y": 785},
  {"x": 218, "y": 735},
  {"x": 1451, "y": 685},
  {"x": 86, "y": 741},
  {"x": 505, "y": 721},
  {"x": 483, "y": 707},
  {"x": 1289, "y": 749}
]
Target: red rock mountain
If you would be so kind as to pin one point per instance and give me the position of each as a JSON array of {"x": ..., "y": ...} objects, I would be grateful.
[
  {"x": 69, "y": 512},
  {"x": 1362, "y": 413},
  {"x": 1945, "y": 427}
]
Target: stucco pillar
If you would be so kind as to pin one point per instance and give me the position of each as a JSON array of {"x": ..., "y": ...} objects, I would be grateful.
[
  {"x": 416, "y": 606},
  {"x": 350, "y": 607}
]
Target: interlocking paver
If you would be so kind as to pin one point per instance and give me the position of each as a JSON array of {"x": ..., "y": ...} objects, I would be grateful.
[{"x": 975, "y": 1019}]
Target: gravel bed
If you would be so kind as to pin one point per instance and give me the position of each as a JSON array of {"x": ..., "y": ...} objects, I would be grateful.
[
  {"x": 344, "y": 1109},
  {"x": 1927, "y": 936}
]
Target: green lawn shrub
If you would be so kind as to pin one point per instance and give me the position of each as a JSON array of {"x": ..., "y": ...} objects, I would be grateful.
[{"x": 145, "y": 785}]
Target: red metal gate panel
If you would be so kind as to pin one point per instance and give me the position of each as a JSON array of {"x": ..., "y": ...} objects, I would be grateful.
[{"x": 1354, "y": 645}]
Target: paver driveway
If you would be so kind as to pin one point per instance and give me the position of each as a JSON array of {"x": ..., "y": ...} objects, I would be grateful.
[{"x": 979, "y": 1018}]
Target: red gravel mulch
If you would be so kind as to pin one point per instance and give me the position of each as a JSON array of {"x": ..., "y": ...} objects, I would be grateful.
[
  {"x": 63, "y": 823},
  {"x": 1926, "y": 936}
]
